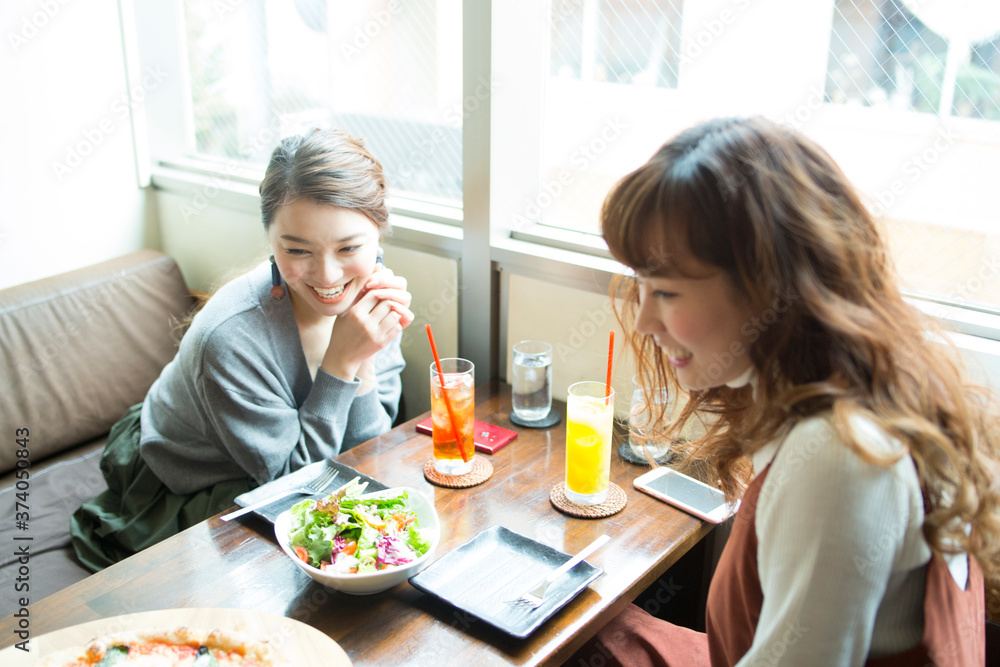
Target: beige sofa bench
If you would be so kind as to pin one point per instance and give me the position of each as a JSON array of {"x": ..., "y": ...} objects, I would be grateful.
[{"x": 76, "y": 350}]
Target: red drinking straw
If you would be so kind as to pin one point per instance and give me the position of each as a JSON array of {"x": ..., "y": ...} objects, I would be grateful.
[
  {"x": 444, "y": 394},
  {"x": 611, "y": 352}
]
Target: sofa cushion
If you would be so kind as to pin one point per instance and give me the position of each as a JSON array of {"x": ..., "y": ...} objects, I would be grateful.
[
  {"x": 81, "y": 347},
  {"x": 53, "y": 494}
]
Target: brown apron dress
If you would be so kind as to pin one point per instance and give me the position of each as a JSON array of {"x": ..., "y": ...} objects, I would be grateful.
[{"x": 954, "y": 620}]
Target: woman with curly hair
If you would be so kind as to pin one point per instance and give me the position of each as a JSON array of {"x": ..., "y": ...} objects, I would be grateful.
[{"x": 866, "y": 462}]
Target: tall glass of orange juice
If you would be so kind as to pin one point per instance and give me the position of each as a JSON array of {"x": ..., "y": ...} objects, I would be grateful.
[
  {"x": 451, "y": 456},
  {"x": 589, "y": 416}
]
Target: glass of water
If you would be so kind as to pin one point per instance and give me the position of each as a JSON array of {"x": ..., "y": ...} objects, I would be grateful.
[
  {"x": 647, "y": 422},
  {"x": 532, "y": 385}
]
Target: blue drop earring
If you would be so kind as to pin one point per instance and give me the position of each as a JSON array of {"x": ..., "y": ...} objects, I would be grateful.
[
  {"x": 378, "y": 256},
  {"x": 277, "y": 289}
]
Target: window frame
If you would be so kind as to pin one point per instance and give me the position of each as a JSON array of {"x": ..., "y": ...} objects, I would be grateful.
[{"x": 481, "y": 235}]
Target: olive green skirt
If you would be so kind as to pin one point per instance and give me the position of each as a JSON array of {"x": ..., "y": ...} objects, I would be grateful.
[{"x": 138, "y": 510}]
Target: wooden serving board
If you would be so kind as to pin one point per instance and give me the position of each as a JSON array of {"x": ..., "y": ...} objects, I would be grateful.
[{"x": 296, "y": 642}]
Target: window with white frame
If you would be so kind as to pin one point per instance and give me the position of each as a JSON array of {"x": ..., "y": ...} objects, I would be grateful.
[
  {"x": 905, "y": 94},
  {"x": 386, "y": 70},
  {"x": 924, "y": 79}
]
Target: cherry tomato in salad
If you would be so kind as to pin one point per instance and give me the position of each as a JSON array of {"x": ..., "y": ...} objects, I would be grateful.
[{"x": 302, "y": 553}]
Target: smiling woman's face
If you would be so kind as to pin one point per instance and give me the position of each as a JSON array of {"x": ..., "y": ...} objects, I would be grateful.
[
  {"x": 324, "y": 253},
  {"x": 695, "y": 315}
]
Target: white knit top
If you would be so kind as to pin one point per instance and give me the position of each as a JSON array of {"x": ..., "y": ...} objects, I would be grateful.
[{"x": 841, "y": 554}]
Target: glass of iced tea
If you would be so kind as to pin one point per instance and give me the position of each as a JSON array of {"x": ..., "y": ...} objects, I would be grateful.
[
  {"x": 453, "y": 456},
  {"x": 589, "y": 417}
]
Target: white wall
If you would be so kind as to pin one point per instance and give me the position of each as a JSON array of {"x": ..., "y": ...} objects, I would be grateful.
[
  {"x": 577, "y": 324},
  {"x": 68, "y": 189},
  {"x": 211, "y": 243}
]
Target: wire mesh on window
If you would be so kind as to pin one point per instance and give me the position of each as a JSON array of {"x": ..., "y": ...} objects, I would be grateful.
[
  {"x": 883, "y": 54},
  {"x": 594, "y": 44},
  {"x": 617, "y": 41},
  {"x": 382, "y": 70},
  {"x": 940, "y": 60}
]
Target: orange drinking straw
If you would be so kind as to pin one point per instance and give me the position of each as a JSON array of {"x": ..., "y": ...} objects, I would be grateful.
[
  {"x": 444, "y": 394},
  {"x": 611, "y": 352}
]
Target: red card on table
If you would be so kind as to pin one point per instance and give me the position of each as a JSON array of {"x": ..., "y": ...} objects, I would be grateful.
[{"x": 488, "y": 438}]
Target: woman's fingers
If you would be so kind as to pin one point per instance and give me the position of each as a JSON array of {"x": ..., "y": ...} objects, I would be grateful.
[
  {"x": 375, "y": 296},
  {"x": 406, "y": 315},
  {"x": 391, "y": 326},
  {"x": 385, "y": 322},
  {"x": 379, "y": 313},
  {"x": 386, "y": 311},
  {"x": 385, "y": 279},
  {"x": 381, "y": 279},
  {"x": 400, "y": 297},
  {"x": 378, "y": 309}
]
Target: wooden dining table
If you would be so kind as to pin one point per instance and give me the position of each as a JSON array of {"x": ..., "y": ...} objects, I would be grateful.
[{"x": 238, "y": 565}]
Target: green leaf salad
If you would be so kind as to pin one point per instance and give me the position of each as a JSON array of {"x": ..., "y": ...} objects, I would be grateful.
[{"x": 351, "y": 533}]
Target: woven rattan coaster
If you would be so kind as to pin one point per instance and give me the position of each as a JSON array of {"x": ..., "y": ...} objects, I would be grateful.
[
  {"x": 613, "y": 504},
  {"x": 481, "y": 471}
]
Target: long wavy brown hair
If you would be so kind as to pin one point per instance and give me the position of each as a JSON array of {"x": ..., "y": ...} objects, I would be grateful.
[{"x": 773, "y": 210}]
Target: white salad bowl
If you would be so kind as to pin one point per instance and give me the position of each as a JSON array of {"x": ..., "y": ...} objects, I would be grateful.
[{"x": 369, "y": 582}]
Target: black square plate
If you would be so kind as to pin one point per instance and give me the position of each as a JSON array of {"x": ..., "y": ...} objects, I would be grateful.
[
  {"x": 498, "y": 565},
  {"x": 301, "y": 477}
]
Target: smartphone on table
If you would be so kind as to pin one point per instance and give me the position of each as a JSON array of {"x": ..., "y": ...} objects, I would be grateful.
[{"x": 687, "y": 493}]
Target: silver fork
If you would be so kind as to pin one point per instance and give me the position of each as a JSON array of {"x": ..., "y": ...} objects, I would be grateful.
[
  {"x": 318, "y": 485},
  {"x": 534, "y": 597}
]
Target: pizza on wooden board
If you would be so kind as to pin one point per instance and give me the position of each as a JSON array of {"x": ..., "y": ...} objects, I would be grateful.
[{"x": 178, "y": 647}]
